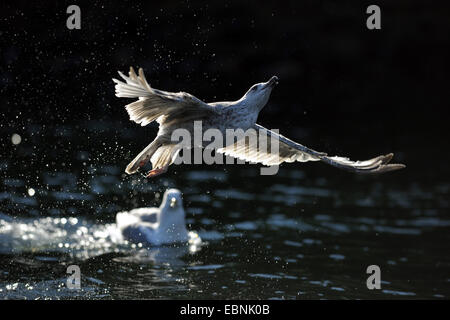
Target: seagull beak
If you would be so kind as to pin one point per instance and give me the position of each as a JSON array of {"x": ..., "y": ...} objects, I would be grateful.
[
  {"x": 272, "y": 82},
  {"x": 173, "y": 202}
]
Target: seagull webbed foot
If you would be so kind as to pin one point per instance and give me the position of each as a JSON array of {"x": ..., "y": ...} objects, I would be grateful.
[{"x": 156, "y": 172}]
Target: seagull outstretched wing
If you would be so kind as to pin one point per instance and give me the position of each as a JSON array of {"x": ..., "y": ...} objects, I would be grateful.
[
  {"x": 290, "y": 151},
  {"x": 153, "y": 104}
]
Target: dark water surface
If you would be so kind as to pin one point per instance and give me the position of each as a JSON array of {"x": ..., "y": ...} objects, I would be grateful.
[{"x": 308, "y": 232}]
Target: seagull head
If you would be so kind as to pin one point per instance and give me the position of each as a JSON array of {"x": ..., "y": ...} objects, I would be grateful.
[
  {"x": 259, "y": 93},
  {"x": 172, "y": 199},
  {"x": 172, "y": 211}
]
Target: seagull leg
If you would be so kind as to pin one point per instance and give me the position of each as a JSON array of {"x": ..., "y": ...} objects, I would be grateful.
[
  {"x": 143, "y": 162},
  {"x": 156, "y": 172}
]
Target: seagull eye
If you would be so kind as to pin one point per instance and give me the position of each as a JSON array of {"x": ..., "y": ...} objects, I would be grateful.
[{"x": 254, "y": 88}]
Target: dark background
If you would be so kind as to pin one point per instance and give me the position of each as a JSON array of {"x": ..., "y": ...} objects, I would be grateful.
[{"x": 343, "y": 89}]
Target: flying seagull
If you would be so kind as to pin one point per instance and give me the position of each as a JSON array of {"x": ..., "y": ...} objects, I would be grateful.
[{"x": 179, "y": 110}]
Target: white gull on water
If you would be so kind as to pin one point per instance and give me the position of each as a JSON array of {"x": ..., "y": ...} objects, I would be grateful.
[
  {"x": 157, "y": 226},
  {"x": 179, "y": 110}
]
